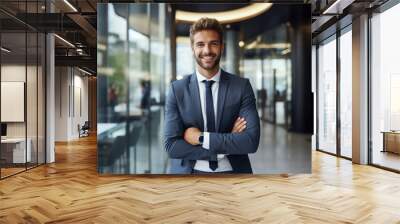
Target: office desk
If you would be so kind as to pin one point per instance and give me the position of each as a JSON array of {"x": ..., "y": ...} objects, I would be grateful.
[
  {"x": 391, "y": 141},
  {"x": 13, "y": 150}
]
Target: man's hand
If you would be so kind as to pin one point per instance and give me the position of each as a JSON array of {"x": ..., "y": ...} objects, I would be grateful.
[
  {"x": 239, "y": 126},
  {"x": 192, "y": 135}
]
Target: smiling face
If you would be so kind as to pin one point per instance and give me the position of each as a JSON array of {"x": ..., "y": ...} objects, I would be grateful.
[{"x": 207, "y": 49}]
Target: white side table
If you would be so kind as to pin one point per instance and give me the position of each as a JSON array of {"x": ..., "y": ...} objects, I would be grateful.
[{"x": 19, "y": 149}]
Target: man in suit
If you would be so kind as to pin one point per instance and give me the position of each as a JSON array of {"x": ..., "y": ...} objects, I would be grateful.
[{"x": 211, "y": 121}]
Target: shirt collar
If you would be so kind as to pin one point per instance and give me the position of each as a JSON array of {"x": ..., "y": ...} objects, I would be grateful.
[{"x": 215, "y": 78}]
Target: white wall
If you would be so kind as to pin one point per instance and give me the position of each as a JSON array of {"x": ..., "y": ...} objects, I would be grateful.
[
  {"x": 80, "y": 109},
  {"x": 61, "y": 103},
  {"x": 33, "y": 126},
  {"x": 15, "y": 73},
  {"x": 71, "y": 94}
]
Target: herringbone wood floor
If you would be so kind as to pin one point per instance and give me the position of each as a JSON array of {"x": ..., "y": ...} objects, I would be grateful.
[{"x": 71, "y": 191}]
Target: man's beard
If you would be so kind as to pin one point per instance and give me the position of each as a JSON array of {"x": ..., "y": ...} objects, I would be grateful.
[{"x": 213, "y": 66}]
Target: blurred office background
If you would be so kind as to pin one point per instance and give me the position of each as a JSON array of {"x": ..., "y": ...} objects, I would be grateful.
[{"x": 141, "y": 48}]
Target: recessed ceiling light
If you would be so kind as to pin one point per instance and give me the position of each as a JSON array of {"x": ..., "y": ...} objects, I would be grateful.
[
  {"x": 337, "y": 7},
  {"x": 64, "y": 40},
  {"x": 84, "y": 71},
  {"x": 5, "y": 50},
  {"x": 286, "y": 51},
  {"x": 101, "y": 47},
  {"x": 70, "y": 5},
  {"x": 224, "y": 17}
]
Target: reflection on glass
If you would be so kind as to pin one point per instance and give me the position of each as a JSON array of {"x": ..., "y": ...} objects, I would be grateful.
[
  {"x": 281, "y": 72},
  {"x": 385, "y": 85},
  {"x": 184, "y": 55},
  {"x": 159, "y": 56},
  {"x": 345, "y": 94},
  {"x": 270, "y": 75},
  {"x": 31, "y": 98},
  {"x": 131, "y": 79},
  {"x": 253, "y": 71},
  {"x": 22, "y": 84},
  {"x": 112, "y": 127},
  {"x": 140, "y": 84},
  {"x": 327, "y": 96},
  {"x": 15, "y": 151}
]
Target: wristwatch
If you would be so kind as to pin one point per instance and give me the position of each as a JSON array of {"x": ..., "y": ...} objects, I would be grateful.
[{"x": 201, "y": 138}]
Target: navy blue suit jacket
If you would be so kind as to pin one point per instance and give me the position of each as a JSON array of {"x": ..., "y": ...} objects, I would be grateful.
[{"x": 183, "y": 110}]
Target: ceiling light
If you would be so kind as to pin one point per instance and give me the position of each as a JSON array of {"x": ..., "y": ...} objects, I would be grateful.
[
  {"x": 70, "y": 5},
  {"x": 65, "y": 41},
  {"x": 338, "y": 6},
  {"x": 5, "y": 50},
  {"x": 286, "y": 51},
  {"x": 84, "y": 71},
  {"x": 257, "y": 45},
  {"x": 241, "y": 43},
  {"x": 230, "y": 16},
  {"x": 183, "y": 40},
  {"x": 101, "y": 47}
]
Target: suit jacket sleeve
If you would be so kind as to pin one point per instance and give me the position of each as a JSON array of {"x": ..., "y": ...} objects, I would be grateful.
[
  {"x": 175, "y": 145},
  {"x": 244, "y": 142}
]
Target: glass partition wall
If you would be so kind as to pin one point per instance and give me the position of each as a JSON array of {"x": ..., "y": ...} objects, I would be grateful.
[
  {"x": 334, "y": 94},
  {"x": 22, "y": 77},
  {"x": 266, "y": 62},
  {"x": 133, "y": 70}
]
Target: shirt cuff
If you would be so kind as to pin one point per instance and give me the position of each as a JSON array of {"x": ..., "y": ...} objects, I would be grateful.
[
  {"x": 220, "y": 156},
  {"x": 206, "y": 140}
]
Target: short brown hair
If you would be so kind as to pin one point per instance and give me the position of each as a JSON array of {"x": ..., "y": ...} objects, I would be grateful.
[{"x": 206, "y": 24}]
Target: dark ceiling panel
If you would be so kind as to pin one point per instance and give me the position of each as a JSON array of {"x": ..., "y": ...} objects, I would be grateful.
[
  {"x": 79, "y": 61},
  {"x": 209, "y": 7},
  {"x": 277, "y": 15},
  {"x": 49, "y": 22}
]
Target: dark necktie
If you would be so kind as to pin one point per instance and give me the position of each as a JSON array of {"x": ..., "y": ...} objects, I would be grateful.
[{"x": 210, "y": 116}]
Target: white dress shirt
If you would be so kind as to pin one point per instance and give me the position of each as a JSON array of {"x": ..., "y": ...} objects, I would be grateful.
[{"x": 223, "y": 162}]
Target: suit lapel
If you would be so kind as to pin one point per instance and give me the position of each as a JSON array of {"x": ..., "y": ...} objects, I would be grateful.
[
  {"x": 195, "y": 99},
  {"x": 223, "y": 87}
]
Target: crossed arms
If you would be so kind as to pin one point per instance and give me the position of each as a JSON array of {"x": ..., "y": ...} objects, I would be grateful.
[{"x": 181, "y": 143}]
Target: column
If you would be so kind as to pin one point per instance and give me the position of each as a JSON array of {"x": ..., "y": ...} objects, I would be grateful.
[
  {"x": 360, "y": 90},
  {"x": 232, "y": 51},
  {"x": 302, "y": 96},
  {"x": 50, "y": 98}
]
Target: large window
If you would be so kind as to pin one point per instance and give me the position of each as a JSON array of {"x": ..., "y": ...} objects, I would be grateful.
[
  {"x": 334, "y": 106},
  {"x": 184, "y": 55},
  {"x": 346, "y": 93},
  {"x": 385, "y": 89},
  {"x": 327, "y": 95}
]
